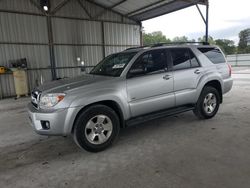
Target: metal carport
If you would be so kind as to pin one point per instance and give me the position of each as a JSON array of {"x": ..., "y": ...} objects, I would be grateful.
[{"x": 91, "y": 29}]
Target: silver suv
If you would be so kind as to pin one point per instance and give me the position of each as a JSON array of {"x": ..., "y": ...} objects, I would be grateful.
[{"x": 131, "y": 87}]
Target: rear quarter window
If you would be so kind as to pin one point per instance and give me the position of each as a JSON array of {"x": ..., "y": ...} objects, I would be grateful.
[{"x": 213, "y": 54}]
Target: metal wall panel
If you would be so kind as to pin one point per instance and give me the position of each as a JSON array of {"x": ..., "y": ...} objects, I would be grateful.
[
  {"x": 6, "y": 85},
  {"x": 114, "y": 49},
  {"x": 72, "y": 38},
  {"x": 66, "y": 56},
  {"x": 22, "y": 28},
  {"x": 121, "y": 34},
  {"x": 34, "y": 77},
  {"x": 128, "y": 21},
  {"x": 73, "y": 9},
  {"x": 76, "y": 31},
  {"x": 17, "y": 5},
  {"x": 37, "y": 55},
  {"x": 110, "y": 16},
  {"x": 69, "y": 72}
]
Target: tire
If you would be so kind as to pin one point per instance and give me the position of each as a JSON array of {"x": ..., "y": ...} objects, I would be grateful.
[
  {"x": 208, "y": 103},
  {"x": 96, "y": 128}
]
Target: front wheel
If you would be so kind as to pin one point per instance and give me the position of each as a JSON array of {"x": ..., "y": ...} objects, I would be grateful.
[
  {"x": 208, "y": 103},
  {"x": 96, "y": 128}
]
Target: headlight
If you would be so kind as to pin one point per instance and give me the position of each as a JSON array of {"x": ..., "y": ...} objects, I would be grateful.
[{"x": 50, "y": 100}]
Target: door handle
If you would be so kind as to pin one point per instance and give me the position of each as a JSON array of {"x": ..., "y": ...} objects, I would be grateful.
[
  {"x": 166, "y": 77},
  {"x": 197, "y": 71}
]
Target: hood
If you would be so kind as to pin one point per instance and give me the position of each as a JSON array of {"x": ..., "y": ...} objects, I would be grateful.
[{"x": 68, "y": 84}]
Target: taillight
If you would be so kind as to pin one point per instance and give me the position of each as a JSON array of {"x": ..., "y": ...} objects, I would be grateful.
[{"x": 230, "y": 69}]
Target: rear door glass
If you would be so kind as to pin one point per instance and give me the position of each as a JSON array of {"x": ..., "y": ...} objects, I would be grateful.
[
  {"x": 180, "y": 58},
  {"x": 193, "y": 59}
]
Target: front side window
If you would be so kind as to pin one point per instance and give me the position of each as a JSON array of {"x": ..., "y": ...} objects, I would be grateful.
[
  {"x": 113, "y": 65},
  {"x": 149, "y": 63},
  {"x": 213, "y": 54}
]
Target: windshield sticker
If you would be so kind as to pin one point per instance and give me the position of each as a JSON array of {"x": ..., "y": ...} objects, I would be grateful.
[{"x": 118, "y": 66}]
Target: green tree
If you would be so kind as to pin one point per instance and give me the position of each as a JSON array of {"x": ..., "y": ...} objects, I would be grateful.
[
  {"x": 244, "y": 42},
  {"x": 226, "y": 45},
  {"x": 182, "y": 39},
  {"x": 154, "y": 37},
  {"x": 210, "y": 39}
]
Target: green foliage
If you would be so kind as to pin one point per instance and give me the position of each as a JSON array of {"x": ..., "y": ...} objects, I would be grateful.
[
  {"x": 244, "y": 42},
  {"x": 154, "y": 37},
  {"x": 182, "y": 39},
  {"x": 227, "y": 46},
  {"x": 158, "y": 37},
  {"x": 210, "y": 39}
]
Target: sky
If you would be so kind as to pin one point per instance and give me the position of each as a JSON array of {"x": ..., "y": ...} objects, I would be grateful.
[{"x": 226, "y": 19}]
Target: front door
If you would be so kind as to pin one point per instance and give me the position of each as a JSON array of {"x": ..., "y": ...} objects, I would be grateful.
[{"x": 150, "y": 84}]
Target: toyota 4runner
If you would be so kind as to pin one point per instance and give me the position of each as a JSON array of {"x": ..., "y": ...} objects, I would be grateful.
[{"x": 131, "y": 87}]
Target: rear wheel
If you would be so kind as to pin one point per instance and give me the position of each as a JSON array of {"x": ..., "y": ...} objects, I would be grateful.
[
  {"x": 96, "y": 128},
  {"x": 208, "y": 103}
]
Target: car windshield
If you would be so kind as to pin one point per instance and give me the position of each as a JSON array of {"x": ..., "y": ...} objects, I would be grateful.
[{"x": 113, "y": 65}]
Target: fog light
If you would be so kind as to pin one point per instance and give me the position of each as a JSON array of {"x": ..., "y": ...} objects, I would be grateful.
[{"x": 45, "y": 125}]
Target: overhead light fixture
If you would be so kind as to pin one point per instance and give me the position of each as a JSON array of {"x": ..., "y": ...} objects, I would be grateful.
[
  {"x": 46, "y": 8},
  {"x": 45, "y": 5}
]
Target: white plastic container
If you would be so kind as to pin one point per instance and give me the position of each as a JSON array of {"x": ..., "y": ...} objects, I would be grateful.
[{"x": 21, "y": 82}]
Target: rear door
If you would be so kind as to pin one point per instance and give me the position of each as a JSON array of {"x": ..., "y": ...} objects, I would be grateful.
[
  {"x": 150, "y": 83},
  {"x": 187, "y": 73},
  {"x": 216, "y": 57}
]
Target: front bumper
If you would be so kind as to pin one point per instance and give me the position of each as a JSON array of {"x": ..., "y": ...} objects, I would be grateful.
[{"x": 61, "y": 121}]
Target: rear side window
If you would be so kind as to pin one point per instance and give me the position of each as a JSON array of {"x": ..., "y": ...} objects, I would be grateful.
[
  {"x": 213, "y": 54},
  {"x": 183, "y": 59}
]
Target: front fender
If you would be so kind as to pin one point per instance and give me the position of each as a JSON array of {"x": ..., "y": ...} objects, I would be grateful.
[{"x": 120, "y": 97}]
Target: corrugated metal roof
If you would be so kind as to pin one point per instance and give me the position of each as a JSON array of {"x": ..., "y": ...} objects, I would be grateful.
[{"x": 140, "y": 10}]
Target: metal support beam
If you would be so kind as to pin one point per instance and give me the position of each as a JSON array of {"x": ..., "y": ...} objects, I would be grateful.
[
  {"x": 141, "y": 34},
  {"x": 84, "y": 8},
  {"x": 103, "y": 40},
  {"x": 65, "y": 44},
  {"x": 207, "y": 11},
  {"x": 107, "y": 8},
  {"x": 37, "y": 6},
  {"x": 63, "y": 17},
  {"x": 59, "y": 6},
  {"x": 145, "y": 7},
  {"x": 205, "y": 20},
  {"x": 111, "y": 7},
  {"x": 51, "y": 48}
]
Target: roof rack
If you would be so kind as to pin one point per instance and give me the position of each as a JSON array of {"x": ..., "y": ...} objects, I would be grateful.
[
  {"x": 171, "y": 43},
  {"x": 166, "y": 43},
  {"x": 138, "y": 47}
]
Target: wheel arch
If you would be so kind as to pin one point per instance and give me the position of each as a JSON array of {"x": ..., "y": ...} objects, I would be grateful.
[
  {"x": 110, "y": 103},
  {"x": 217, "y": 85}
]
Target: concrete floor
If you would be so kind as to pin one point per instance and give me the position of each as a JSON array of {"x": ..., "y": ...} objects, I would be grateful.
[{"x": 179, "y": 151}]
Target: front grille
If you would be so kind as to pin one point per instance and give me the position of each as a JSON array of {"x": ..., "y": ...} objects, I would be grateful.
[{"x": 35, "y": 97}]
